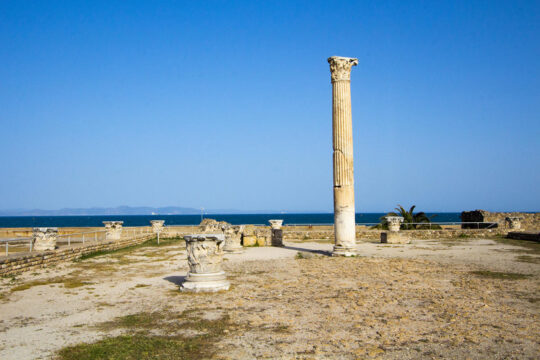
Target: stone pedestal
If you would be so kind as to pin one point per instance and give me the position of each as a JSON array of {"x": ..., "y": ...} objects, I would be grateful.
[
  {"x": 113, "y": 230},
  {"x": 44, "y": 238},
  {"x": 157, "y": 226},
  {"x": 277, "y": 237},
  {"x": 393, "y": 236},
  {"x": 233, "y": 239},
  {"x": 205, "y": 256},
  {"x": 344, "y": 214},
  {"x": 394, "y": 223},
  {"x": 513, "y": 222},
  {"x": 277, "y": 232}
]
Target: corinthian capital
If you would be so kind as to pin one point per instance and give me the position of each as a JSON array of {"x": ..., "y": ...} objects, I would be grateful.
[{"x": 340, "y": 67}]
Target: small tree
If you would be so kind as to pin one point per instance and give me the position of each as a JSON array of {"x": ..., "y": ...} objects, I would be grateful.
[{"x": 410, "y": 220}]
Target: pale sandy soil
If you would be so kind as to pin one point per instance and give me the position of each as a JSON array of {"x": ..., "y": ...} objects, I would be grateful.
[{"x": 395, "y": 301}]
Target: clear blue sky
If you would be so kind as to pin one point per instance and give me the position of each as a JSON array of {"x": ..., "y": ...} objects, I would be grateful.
[{"x": 227, "y": 104}]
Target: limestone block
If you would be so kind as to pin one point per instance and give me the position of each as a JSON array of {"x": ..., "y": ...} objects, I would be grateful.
[
  {"x": 261, "y": 241},
  {"x": 249, "y": 240},
  {"x": 264, "y": 236},
  {"x": 44, "y": 238},
  {"x": 205, "y": 257},
  {"x": 394, "y": 237}
]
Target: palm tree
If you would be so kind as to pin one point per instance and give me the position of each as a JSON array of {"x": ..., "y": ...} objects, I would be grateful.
[{"x": 410, "y": 219}]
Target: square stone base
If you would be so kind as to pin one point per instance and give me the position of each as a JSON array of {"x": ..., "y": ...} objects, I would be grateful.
[{"x": 391, "y": 237}]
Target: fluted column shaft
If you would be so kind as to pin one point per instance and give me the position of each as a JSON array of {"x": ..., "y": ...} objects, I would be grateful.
[{"x": 344, "y": 211}]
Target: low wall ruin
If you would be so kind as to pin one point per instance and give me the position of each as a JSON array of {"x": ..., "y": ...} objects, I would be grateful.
[
  {"x": 529, "y": 221},
  {"x": 18, "y": 263}
]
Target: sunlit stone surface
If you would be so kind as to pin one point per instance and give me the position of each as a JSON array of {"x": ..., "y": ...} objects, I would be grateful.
[
  {"x": 344, "y": 215},
  {"x": 514, "y": 222},
  {"x": 233, "y": 239},
  {"x": 44, "y": 238},
  {"x": 393, "y": 236},
  {"x": 394, "y": 223},
  {"x": 113, "y": 230}
]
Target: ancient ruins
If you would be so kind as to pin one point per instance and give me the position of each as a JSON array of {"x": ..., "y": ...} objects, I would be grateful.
[
  {"x": 205, "y": 256},
  {"x": 114, "y": 229},
  {"x": 344, "y": 213},
  {"x": 45, "y": 238}
]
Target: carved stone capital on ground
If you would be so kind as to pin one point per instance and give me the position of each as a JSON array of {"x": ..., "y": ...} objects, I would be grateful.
[
  {"x": 514, "y": 222},
  {"x": 394, "y": 223},
  {"x": 44, "y": 238},
  {"x": 340, "y": 67},
  {"x": 205, "y": 257},
  {"x": 113, "y": 229},
  {"x": 233, "y": 239}
]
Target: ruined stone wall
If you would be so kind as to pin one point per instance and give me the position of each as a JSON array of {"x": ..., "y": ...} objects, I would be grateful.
[
  {"x": 27, "y": 231},
  {"x": 366, "y": 234},
  {"x": 530, "y": 221},
  {"x": 326, "y": 232},
  {"x": 18, "y": 263}
]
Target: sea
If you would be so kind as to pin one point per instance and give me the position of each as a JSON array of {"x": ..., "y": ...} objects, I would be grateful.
[{"x": 235, "y": 219}]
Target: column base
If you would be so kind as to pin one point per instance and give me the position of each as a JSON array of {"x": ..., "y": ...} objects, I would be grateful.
[
  {"x": 344, "y": 251},
  {"x": 205, "y": 282}
]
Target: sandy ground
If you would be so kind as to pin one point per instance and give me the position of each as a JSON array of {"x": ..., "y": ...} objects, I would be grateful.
[{"x": 394, "y": 301}]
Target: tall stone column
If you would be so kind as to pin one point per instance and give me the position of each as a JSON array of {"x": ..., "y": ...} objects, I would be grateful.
[{"x": 344, "y": 220}]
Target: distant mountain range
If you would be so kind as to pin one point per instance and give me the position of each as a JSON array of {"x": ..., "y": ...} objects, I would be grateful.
[{"x": 125, "y": 210}]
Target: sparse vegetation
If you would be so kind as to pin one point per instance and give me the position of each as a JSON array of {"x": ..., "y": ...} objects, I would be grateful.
[
  {"x": 528, "y": 259},
  {"x": 69, "y": 283},
  {"x": 529, "y": 247},
  {"x": 500, "y": 275},
  {"x": 141, "y": 341},
  {"x": 411, "y": 220}
]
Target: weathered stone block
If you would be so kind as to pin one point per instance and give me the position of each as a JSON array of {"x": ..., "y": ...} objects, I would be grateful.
[
  {"x": 277, "y": 237},
  {"x": 392, "y": 237},
  {"x": 249, "y": 240}
]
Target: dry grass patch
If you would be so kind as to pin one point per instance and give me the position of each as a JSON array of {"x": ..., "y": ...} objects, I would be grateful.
[
  {"x": 155, "y": 335},
  {"x": 69, "y": 283},
  {"x": 500, "y": 275}
]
